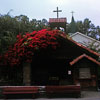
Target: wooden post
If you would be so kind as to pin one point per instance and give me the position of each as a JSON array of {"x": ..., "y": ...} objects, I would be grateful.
[{"x": 26, "y": 74}]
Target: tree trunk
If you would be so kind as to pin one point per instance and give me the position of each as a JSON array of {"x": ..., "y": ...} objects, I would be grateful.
[{"x": 26, "y": 74}]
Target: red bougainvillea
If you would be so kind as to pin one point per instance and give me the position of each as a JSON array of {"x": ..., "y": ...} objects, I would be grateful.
[{"x": 26, "y": 45}]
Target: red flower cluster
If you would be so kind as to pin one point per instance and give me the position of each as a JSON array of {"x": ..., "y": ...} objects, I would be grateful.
[{"x": 26, "y": 45}]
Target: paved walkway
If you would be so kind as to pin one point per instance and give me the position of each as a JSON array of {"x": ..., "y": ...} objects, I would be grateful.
[{"x": 85, "y": 95}]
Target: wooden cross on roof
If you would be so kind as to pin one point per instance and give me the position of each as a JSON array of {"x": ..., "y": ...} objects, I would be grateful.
[{"x": 57, "y": 12}]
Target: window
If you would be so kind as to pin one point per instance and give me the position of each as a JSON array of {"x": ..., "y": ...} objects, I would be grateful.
[{"x": 84, "y": 73}]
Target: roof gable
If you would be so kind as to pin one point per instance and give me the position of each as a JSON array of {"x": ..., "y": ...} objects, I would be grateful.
[
  {"x": 81, "y": 57},
  {"x": 70, "y": 49}
]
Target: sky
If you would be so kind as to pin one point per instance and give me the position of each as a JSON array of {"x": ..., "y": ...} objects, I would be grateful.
[{"x": 39, "y": 9}]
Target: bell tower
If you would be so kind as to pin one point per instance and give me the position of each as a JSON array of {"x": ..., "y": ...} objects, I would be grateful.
[{"x": 58, "y": 22}]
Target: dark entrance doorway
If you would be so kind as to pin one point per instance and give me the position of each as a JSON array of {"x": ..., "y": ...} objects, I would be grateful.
[{"x": 46, "y": 71}]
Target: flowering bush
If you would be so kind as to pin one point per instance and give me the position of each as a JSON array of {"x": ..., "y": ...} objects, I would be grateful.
[{"x": 26, "y": 45}]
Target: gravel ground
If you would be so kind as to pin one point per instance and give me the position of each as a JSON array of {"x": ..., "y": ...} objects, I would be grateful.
[{"x": 85, "y": 95}]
